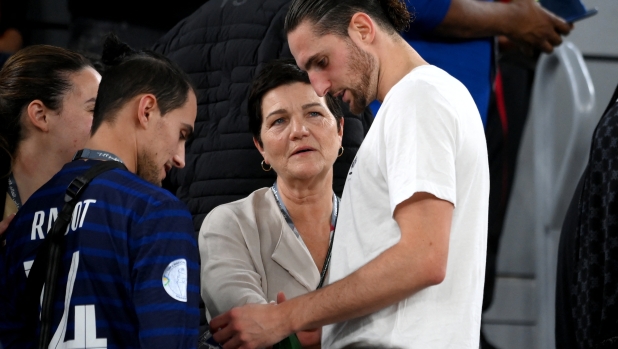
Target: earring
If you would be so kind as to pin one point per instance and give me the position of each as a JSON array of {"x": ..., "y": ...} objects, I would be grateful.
[
  {"x": 340, "y": 151},
  {"x": 264, "y": 167}
]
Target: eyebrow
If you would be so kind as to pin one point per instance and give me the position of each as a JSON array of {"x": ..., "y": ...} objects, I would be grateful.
[
  {"x": 278, "y": 111},
  {"x": 310, "y": 62},
  {"x": 314, "y": 104}
]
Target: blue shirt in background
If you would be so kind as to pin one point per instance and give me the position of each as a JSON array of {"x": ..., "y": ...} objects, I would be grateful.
[{"x": 469, "y": 61}]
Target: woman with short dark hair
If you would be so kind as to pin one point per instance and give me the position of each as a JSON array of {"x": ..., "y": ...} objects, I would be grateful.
[{"x": 278, "y": 239}]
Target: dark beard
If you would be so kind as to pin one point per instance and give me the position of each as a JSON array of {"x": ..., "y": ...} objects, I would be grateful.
[
  {"x": 147, "y": 169},
  {"x": 363, "y": 63}
]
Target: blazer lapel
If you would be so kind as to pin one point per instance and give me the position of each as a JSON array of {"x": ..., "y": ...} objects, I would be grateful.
[{"x": 293, "y": 256}]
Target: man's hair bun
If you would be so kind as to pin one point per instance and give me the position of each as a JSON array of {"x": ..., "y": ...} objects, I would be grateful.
[
  {"x": 397, "y": 14},
  {"x": 115, "y": 51}
]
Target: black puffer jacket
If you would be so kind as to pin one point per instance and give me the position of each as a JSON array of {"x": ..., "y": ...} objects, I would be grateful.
[{"x": 221, "y": 46}]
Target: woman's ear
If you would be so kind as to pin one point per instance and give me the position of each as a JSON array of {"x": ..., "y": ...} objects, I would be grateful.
[
  {"x": 259, "y": 147},
  {"x": 38, "y": 115}
]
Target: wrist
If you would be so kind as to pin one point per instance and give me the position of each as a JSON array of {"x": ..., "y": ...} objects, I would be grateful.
[
  {"x": 509, "y": 18},
  {"x": 289, "y": 323}
]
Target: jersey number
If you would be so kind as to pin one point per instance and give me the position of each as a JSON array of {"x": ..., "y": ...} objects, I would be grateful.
[{"x": 85, "y": 320}]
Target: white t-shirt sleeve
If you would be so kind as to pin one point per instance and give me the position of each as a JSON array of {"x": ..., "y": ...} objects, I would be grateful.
[{"x": 420, "y": 135}]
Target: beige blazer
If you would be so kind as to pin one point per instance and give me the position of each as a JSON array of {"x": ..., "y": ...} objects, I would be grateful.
[{"x": 249, "y": 254}]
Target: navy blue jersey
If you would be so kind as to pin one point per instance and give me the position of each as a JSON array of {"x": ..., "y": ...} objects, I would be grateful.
[{"x": 130, "y": 272}]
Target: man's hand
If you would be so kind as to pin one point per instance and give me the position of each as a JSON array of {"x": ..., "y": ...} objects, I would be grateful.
[
  {"x": 534, "y": 27},
  {"x": 250, "y": 327},
  {"x": 524, "y": 22},
  {"x": 5, "y": 223}
]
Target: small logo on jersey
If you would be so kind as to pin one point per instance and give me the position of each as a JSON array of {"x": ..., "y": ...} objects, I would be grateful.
[{"x": 175, "y": 280}]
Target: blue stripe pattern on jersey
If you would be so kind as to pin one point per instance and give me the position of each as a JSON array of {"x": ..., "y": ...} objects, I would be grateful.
[{"x": 129, "y": 238}]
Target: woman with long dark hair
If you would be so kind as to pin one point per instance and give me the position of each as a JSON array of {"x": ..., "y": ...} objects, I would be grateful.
[{"x": 47, "y": 97}]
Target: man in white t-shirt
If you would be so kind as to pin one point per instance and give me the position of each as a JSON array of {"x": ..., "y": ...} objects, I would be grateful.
[{"x": 408, "y": 260}]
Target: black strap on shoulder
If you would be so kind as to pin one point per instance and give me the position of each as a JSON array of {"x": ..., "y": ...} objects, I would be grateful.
[{"x": 46, "y": 268}]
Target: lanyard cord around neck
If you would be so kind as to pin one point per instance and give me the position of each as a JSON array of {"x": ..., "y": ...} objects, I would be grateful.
[
  {"x": 96, "y": 155},
  {"x": 333, "y": 224},
  {"x": 82, "y": 154},
  {"x": 13, "y": 192}
]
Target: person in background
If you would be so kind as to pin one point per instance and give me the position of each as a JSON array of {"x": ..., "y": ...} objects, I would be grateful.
[
  {"x": 587, "y": 273},
  {"x": 139, "y": 23},
  {"x": 278, "y": 239},
  {"x": 466, "y": 29},
  {"x": 130, "y": 277},
  {"x": 13, "y": 28},
  {"x": 47, "y": 98},
  {"x": 409, "y": 253}
]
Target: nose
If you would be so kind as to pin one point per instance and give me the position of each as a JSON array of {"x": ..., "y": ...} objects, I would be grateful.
[
  {"x": 179, "y": 158},
  {"x": 320, "y": 84},
  {"x": 298, "y": 128}
]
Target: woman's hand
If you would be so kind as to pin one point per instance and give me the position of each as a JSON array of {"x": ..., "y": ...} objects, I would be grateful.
[{"x": 310, "y": 339}]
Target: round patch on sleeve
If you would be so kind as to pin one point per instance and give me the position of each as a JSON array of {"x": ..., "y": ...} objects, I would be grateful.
[{"x": 175, "y": 280}]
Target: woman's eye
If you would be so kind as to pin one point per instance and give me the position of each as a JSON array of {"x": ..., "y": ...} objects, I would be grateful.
[
  {"x": 278, "y": 121},
  {"x": 314, "y": 113}
]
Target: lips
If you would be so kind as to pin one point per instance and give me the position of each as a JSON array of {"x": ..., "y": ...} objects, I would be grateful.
[
  {"x": 301, "y": 150},
  {"x": 342, "y": 94}
]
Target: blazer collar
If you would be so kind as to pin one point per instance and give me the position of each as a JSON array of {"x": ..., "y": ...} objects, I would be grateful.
[{"x": 292, "y": 255}]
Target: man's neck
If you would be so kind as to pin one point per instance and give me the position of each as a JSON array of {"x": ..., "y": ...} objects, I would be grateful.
[
  {"x": 32, "y": 167},
  {"x": 110, "y": 138},
  {"x": 396, "y": 58}
]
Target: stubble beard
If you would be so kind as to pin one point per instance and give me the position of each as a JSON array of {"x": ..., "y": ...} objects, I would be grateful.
[
  {"x": 361, "y": 64},
  {"x": 147, "y": 168}
]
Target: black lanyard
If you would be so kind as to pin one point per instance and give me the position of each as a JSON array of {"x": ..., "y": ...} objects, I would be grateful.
[
  {"x": 13, "y": 192},
  {"x": 96, "y": 155},
  {"x": 333, "y": 224},
  {"x": 82, "y": 154}
]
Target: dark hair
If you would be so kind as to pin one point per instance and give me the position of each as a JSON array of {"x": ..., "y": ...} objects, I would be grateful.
[
  {"x": 38, "y": 72},
  {"x": 129, "y": 73},
  {"x": 274, "y": 74},
  {"x": 333, "y": 16}
]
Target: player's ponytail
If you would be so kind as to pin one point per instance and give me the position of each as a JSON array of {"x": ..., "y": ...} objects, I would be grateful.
[
  {"x": 129, "y": 73},
  {"x": 115, "y": 51}
]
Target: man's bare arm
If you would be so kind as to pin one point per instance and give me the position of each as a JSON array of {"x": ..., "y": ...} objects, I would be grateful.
[
  {"x": 522, "y": 21},
  {"x": 417, "y": 261}
]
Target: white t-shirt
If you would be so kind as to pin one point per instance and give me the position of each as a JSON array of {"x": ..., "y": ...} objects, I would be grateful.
[{"x": 427, "y": 137}]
